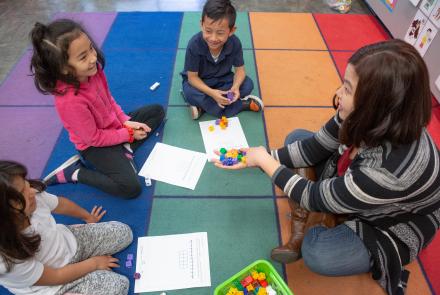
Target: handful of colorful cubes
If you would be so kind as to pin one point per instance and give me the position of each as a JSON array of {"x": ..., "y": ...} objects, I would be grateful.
[
  {"x": 232, "y": 157},
  {"x": 253, "y": 284}
]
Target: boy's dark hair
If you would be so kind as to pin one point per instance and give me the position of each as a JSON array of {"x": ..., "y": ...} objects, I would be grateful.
[
  {"x": 14, "y": 245},
  {"x": 219, "y": 9},
  {"x": 392, "y": 101},
  {"x": 49, "y": 60}
]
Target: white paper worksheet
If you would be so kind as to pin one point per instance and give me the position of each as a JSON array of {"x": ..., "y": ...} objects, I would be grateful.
[
  {"x": 172, "y": 262},
  {"x": 174, "y": 165},
  {"x": 230, "y": 138}
]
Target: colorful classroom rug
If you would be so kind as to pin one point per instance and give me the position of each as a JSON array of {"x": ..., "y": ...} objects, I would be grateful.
[{"x": 296, "y": 61}]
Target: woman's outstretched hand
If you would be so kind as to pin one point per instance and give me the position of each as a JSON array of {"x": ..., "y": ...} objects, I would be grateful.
[{"x": 253, "y": 155}]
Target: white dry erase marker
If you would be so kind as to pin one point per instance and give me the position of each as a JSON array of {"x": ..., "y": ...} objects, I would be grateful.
[{"x": 154, "y": 86}]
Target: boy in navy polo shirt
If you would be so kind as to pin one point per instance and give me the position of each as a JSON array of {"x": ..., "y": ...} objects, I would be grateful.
[{"x": 210, "y": 56}]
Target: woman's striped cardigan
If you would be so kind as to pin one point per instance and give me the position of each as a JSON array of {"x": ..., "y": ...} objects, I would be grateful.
[{"x": 392, "y": 194}]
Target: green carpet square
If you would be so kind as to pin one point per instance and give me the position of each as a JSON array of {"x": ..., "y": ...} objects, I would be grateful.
[
  {"x": 191, "y": 25},
  {"x": 182, "y": 131},
  {"x": 240, "y": 231}
]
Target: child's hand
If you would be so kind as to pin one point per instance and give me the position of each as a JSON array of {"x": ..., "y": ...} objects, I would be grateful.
[
  {"x": 105, "y": 262},
  {"x": 236, "y": 92},
  {"x": 95, "y": 215},
  {"x": 139, "y": 134},
  {"x": 137, "y": 126},
  {"x": 220, "y": 97}
]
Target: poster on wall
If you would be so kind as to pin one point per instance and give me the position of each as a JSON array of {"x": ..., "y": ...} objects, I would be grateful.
[
  {"x": 390, "y": 4},
  {"x": 425, "y": 39},
  {"x": 415, "y": 27},
  {"x": 435, "y": 15},
  {"x": 427, "y": 6}
]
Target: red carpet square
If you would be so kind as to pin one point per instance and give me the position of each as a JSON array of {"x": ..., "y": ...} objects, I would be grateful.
[{"x": 349, "y": 32}]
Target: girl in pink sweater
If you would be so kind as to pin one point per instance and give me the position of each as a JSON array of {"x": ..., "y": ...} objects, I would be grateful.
[{"x": 68, "y": 64}]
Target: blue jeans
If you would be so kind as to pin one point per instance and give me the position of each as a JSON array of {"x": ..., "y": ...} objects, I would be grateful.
[
  {"x": 334, "y": 251},
  {"x": 197, "y": 98}
]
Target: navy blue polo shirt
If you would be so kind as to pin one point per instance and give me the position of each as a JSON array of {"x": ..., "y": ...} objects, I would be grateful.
[{"x": 198, "y": 58}]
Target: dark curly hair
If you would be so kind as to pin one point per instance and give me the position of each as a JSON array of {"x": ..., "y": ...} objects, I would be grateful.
[
  {"x": 14, "y": 245},
  {"x": 392, "y": 101},
  {"x": 50, "y": 54}
]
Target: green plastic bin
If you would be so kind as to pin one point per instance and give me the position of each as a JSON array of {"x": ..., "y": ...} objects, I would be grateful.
[{"x": 272, "y": 277}]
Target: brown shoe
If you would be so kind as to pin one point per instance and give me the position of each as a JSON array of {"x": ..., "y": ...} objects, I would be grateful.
[{"x": 291, "y": 250}]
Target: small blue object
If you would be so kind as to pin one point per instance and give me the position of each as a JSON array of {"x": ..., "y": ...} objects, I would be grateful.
[
  {"x": 129, "y": 256},
  {"x": 128, "y": 264},
  {"x": 222, "y": 157}
]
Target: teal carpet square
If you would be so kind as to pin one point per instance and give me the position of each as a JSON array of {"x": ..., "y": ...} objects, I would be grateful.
[
  {"x": 182, "y": 131},
  {"x": 240, "y": 231}
]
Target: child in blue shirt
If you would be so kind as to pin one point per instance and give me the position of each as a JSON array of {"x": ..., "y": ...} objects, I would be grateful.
[{"x": 210, "y": 56}]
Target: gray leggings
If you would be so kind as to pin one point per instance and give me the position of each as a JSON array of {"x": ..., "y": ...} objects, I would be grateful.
[{"x": 106, "y": 238}]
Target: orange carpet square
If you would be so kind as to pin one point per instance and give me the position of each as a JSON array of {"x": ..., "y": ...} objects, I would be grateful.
[
  {"x": 281, "y": 121},
  {"x": 296, "y": 78},
  {"x": 285, "y": 31}
]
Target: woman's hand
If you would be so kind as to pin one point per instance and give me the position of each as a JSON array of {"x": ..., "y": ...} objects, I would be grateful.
[
  {"x": 253, "y": 157},
  {"x": 105, "y": 262},
  {"x": 95, "y": 215}
]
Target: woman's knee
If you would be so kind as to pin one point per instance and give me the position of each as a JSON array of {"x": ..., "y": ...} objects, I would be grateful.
[
  {"x": 314, "y": 252},
  {"x": 296, "y": 135}
]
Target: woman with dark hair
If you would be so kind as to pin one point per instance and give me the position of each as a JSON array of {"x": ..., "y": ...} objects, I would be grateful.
[
  {"x": 39, "y": 256},
  {"x": 376, "y": 164}
]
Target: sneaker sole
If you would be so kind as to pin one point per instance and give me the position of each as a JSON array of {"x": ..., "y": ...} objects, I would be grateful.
[
  {"x": 67, "y": 163},
  {"x": 256, "y": 98}
]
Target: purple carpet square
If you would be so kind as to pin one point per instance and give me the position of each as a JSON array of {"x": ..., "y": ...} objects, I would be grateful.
[
  {"x": 29, "y": 135},
  {"x": 97, "y": 24},
  {"x": 19, "y": 88}
]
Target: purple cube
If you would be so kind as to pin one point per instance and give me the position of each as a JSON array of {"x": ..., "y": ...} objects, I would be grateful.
[
  {"x": 128, "y": 264},
  {"x": 230, "y": 95},
  {"x": 129, "y": 256}
]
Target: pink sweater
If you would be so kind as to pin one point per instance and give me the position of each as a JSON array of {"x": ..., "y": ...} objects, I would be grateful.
[{"x": 92, "y": 117}]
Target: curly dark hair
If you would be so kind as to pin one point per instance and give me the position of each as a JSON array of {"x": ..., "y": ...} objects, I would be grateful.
[
  {"x": 220, "y": 9},
  {"x": 50, "y": 54},
  {"x": 392, "y": 101},
  {"x": 14, "y": 245}
]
